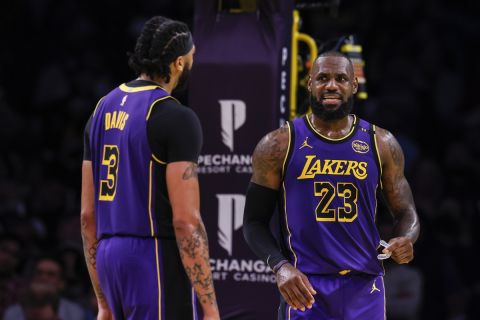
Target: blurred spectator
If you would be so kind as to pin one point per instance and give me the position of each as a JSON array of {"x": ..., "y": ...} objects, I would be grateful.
[
  {"x": 47, "y": 274},
  {"x": 75, "y": 271},
  {"x": 40, "y": 303},
  {"x": 404, "y": 291},
  {"x": 11, "y": 284}
]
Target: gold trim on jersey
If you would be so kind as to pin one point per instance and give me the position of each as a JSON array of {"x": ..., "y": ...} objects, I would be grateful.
[
  {"x": 286, "y": 222},
  {"x": 378, "y": 154},
  {"x": 288, "y": 149},
  {"x": 375, "y": 220},
  {"x": 126, "y": 88},
  {"x": 352, "y": 129},
  {"x": 96, "y": 106},
  {"x": 150, "y": 181},
  {"x": 161, "y": 99},
  {"x": 158, "y": 281},
  {"x": 384, "y": 300},
  {"x": 158, "y": 160},
  {"x": 193, "y": 304}
]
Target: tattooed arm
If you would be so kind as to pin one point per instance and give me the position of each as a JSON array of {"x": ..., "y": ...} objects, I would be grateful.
[
  {"x": 399, "y": 198},
  {"x": 268, "y": 158},
  {"x": 262, "y": 196},
  {"x": 184, "y": 195},
  {"x": 89, "y": 238}
]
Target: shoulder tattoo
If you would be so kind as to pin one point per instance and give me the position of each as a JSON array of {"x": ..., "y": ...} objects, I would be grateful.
[{"x": 269, "y": 155}]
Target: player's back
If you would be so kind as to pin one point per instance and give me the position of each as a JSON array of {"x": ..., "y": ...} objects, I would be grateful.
[
  {"x": 122, "y": 161},
  {"x": 329, "y": 200}
]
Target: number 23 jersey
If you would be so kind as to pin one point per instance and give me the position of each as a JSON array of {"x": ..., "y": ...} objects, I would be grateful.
[{"x": 329, "y": 200}]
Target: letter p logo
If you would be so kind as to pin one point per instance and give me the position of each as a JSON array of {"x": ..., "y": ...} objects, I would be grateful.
[
  {"x": 233, "y": 114},
  {"x": 230, "y": 218}
]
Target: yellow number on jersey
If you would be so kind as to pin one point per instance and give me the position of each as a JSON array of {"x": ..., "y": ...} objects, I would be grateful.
[
  {"x": 108, "y": 186},
  {"x": 326, "y": 191}
]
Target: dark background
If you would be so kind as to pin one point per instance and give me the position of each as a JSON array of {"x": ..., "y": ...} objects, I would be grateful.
[{"x": 58, "y": 57}]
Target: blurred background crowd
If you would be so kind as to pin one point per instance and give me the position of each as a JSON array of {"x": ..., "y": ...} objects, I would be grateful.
[{"x": 422, "y": 80}]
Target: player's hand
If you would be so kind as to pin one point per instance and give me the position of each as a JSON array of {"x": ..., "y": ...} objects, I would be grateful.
[
  {"x": 295, "y": 287},
  {"x": 401, "y": 249},
  {"x": 104, "y": 314}
]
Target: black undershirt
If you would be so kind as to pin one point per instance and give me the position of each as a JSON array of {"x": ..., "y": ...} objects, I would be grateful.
[
  {"x": 174, "y": 131},
  {"x": 174, "y": 134}
]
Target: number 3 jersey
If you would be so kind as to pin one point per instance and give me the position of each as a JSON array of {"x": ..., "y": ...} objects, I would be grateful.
[
  {"x": 135, "y": 130},
  {"x": 329, "y": 200}
]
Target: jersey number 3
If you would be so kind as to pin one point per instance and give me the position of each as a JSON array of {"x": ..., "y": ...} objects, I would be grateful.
[
  {"x": 108, "y": 186},
  {"x": 347, "y": 191}
]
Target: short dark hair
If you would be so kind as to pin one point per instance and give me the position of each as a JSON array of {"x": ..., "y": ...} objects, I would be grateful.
[
  {"x": 333, "y": 53},
  {"x": 161, "y": 41},
  {"x": 48, "y": 257}
]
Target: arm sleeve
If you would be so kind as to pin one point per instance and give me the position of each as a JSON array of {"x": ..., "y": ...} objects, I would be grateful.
[
  {"x": 175, "y": 133},
  {"x": 259, "y": 207},
  {"x": 86, "y": 141}
]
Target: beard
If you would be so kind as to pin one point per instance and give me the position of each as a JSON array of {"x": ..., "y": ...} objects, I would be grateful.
[
  {"x": 323, "y": 113},
  {"x": 183, "y": 80}
]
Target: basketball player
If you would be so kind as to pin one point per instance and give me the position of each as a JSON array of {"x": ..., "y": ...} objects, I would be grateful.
[
  {"x": 144, "y": 240},
  {"x": 324, "y": 170}
]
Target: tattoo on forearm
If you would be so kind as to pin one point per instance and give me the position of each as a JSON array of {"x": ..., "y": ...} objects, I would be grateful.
[
  {"x": 91, "y": 252},
  {"x": 190, "y": 171},
  {"x": 198, "y": 277},
  {"x": 92, "y": 255},
  {"x": 91, "y": 258},
  {"x": 398, "y": 192},
  {"x": 195, "y": 247},
  {"x": 191, "y": 245},
  {"x": 207, "y": 298},
  {"x": 100, "y": 294}
]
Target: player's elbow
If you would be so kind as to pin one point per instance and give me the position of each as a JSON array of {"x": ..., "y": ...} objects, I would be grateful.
[
  {"x": 186, "y": 220},
  {"x": 246, "y": 232},
  {"x": 87, "y": 218},
  {"x": 247, "y": 227}
]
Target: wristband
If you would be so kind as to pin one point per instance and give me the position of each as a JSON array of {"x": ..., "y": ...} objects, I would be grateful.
[{"x": 278, "y": 266}]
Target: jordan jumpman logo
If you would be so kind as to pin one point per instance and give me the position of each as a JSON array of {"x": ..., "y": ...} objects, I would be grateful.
[
  {"x": 305, "y": 144},
  {"x": 374, "y": 287}
]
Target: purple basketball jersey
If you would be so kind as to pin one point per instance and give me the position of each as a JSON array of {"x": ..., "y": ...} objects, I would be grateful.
[
  {"x": 122, "y": 162},
  {"x": 329, "y": 200}
]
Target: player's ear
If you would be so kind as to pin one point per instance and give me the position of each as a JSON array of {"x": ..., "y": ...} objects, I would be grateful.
[
  {"x": 179, "y": 63},
  {"x": 355, "y": 85},
  {"x": 309, "y": 83}
]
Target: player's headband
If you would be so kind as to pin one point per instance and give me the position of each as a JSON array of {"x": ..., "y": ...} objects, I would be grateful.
[{"x": 188, "y": 44}]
